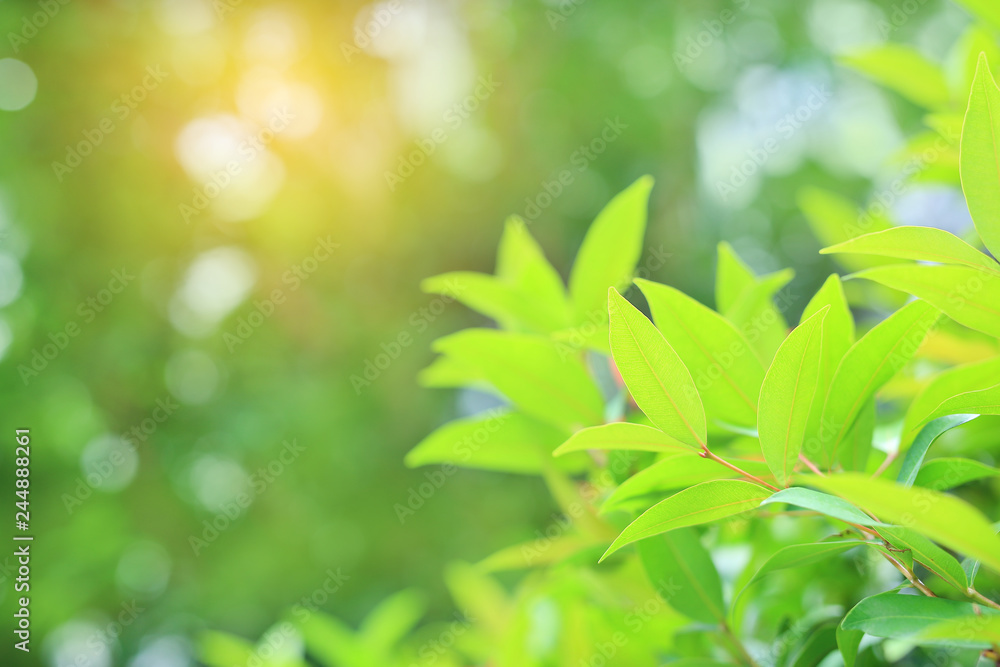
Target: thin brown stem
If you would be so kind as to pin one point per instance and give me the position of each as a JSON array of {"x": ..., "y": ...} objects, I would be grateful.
[
  {"x": 705, "y": 453},
  {"x": 812, "y": 466},
  {"x": 890, "y": 457}
]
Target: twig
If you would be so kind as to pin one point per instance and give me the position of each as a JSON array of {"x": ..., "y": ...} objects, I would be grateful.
[
  {"x": 706, "y": 454},
  {"x": 812, "y": 466}
]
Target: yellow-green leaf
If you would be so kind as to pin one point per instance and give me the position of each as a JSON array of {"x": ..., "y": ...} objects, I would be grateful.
[
  {"x": 622, "y": 436},
  {"x": 869, "y": 364},
  {"x": 655, "y": 375},
  {"x": 924, "y": 244},
  {"x": 786, "y": 396},
  {"x": 724, "y": 367},
  {"x": 699, "y": 504},
  {"x": 940, "y": 517},
  {"x": 980, "y": 156},
  {"x": 904, "y": 70},
  {"x": 970, "y": 296}
]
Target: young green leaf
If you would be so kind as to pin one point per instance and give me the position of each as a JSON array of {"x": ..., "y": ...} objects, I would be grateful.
[
  {"x": 923, "y": 244},
  {"x": 817, "y": 646},
  {"x": 900, "y": 616},
  {"x": 945, "y": 385},
  {"x": 657, "y": 378},
  {"x": 980, "y": 154},
  {"x": 940, "y": 517},
  {"x": 968, "y": 296},
  {"x": 622, "y": 436},
  {"x": 905, "y": 70},
  {"x": 725, "y": 368},
  {"x": 786, "y": 396},
  {"x": 987, "y": 10},
  {"x": 928, "y": 434},
  {"x": 699, "y": 504},
  {"x": 928, "y": 554},
  {"x": 947, "y": 473},
  {"x": 981, "y": 402},
  {"x": 838, "y": 336},
  {"x": 499, "y": 440},
  {"x": 532, "y": 372},
  {"x": 757, "y": 317},
  {"x": 798, "y": 555},
  {"x": 682, "y": 571},
  {"x": 848, "y": 641},
  {"x": 521, "y": 263},
  {"x": 870, "y": 363},
  {"x": 822, "y": 503},
  {"x": 610, "y": 250},
  {"x": 857, "y": 444},
  {"x": 676, "y": 472},
  {"x": 977, "y": 630},
  {"x": 732, "y": 278},
  {"x": 392, "y": 619}
]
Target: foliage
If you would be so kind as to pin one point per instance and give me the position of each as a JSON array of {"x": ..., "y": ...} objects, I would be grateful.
[{"x": 733, "y": 492}]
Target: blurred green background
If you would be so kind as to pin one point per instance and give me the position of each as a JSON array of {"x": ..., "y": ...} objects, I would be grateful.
[{"x": 215, "y": 216}]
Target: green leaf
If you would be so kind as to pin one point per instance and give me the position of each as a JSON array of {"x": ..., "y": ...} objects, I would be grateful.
[
  {"x": 787, "y": 396},
  {"x": 981, "y": 402},
  {"x": 732, "y": 278},
  {"x": 980, "y": 155},
  {"x": 945, "y": 385},
  {"x": 900, "y": 616},
  {"x": 838, "y": 336},
  {"x": 522, "y": 264},
  {"x": 817, "y": 646},
  {"x": 392, "y": 620},
  {"x": 835, "y": 219},
  {"x": 220, "y": 649},
  {"x": 798, "y": 555},
  {"x": 657, "y": 378},
  {"x": 947, "y": 473},
  {"x": 699, "y": 504},
  {"x": 676, "y": 472},
  {"x": 823, "y": 503},
  {"x": 857, "y": 445},
  {"x": 681, "y": 569},
  {"x": 757, "y": 317},
  {"x": 975, "y": 630},
  {"x": 923, "y": 244},
  {"x": 446, "y": 372},
  {"x": 968, "y": 296},
  {"x": 622, "y": 436},
  {"x": 725, "y": 369},
  {"x": 531, "y": 372},
  {"x": 940, "y": 517},
  {"x": 869, "y": 364},
  {"x": 497, "y": 440},
  {"x": 332, "y": 642},
  {"x": 904, "y": 70},
  {"x": 928, "y": 554},
  {"x": 610, "y": 250},
  {"x": 848, "y": 641},
  {"x": 910, "y": 468}
]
